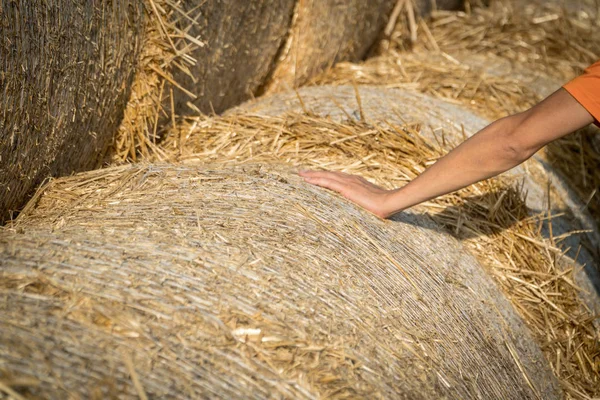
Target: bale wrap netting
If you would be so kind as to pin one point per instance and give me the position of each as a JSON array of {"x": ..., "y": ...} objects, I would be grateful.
[
  {"x": 244, "y": 281},
  {"x": 240, "y": 42},
  {"x": 66, "y": 69}
]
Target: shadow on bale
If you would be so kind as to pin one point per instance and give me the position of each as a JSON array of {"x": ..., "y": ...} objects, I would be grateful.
[{"x": 476, "y": 216}]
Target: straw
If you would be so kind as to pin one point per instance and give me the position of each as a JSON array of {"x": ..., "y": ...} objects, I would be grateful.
[
  {"x": 491, "y": 217},
  {"x": 66, "y": 72},
  {"x": 244, "y": 281},
  {"x": 164, "y": 50}
]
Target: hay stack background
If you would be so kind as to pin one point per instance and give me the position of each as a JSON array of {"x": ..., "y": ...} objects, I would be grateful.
[
  {"x": 326, "y": 32},
  {"x": 241, "y": 42},
  {"x": 198, "y": 57},
  {"x": 207, "y": 56},
  {"x": 66, "y": 71},
  {"x": 191, "y": 281}
]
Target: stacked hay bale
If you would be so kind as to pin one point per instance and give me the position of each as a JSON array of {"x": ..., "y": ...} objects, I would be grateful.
[
  {"x": 62, "y": 104},
  {"x": 159, "y": 280},
  {"x": 390, "y": 136},
  {"x": 65, "y": 75},
  {"x": 326, "y": 32},
  {"x": 207, "y": 56},
  {"x": 199, "y": 56}
]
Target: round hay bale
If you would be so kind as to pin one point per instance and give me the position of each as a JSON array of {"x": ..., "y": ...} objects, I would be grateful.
[
  {"x": 178, "y": 281},
  {"x": 326, "y": 32},
  {"x": 443, "y": 122},
  {"x": 65, "y": 72},
  {"x": 490, "y": 85},
  {"x": 241, "y": 40},
  {"x": 198, "y": 57}
]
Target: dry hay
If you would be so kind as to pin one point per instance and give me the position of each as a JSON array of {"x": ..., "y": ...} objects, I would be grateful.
[
  {"x": 490, "y": 217},
  {"x": 232, "y": 282},
  {"x": 65, "y": 75},
  {"x": 326, "y": 32},
  {"x": 446, "y": 124},
  {"x": 558, "y": 38},
  {"x": 464, "y": 79},
  {"x": 198, "y": 56},
  {"x": 242, "y": 41},
  {"x": 323, "y": 33},
  {"x": 530, "y": 49}
]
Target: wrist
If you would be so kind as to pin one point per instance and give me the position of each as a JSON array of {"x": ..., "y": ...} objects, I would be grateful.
[{"x": 400, "y": 199}]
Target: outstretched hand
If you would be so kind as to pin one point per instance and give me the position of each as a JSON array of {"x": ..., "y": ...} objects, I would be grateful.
[{"x": 355, "y": 188}]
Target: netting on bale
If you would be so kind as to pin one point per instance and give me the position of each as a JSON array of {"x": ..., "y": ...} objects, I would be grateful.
[
  {"x": 189, "y": 281},
  {"x": 390, "y": 137},
  {"x": 66, "y": 71},
  {"x": 198, "y": 57}
]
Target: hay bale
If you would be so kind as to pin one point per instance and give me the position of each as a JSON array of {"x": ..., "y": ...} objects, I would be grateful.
[
  {"x": 241, "y": 41},
  {"x": 198, "y": 56},
  {"x": 246, "y": 282},
  {"x": 64, "y": 83},
  {"x": 441, "y": 122},
  {"x": 490, "y": 217},
  {"x": 490, "y": 85},
  {"x": 554, "y": 37},
  {"x": 326, "y": 32}
]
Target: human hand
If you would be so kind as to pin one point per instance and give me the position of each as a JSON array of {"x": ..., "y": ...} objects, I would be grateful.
[{"x": 355, "y": 188}]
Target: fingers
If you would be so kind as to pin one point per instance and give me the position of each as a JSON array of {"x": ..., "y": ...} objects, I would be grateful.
[
  {"x": 341, "y": 177},
  {"x": 327, "y": 181}
]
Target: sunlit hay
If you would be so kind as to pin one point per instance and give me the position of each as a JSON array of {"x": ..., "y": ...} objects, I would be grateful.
[
  {"x": 171, "y": 281},
  {"x": 325, "y": 32},
  {"x": 492, "y": 94},
  {"x": 550, "y": 37},
  {"x": 490, "y": 216}
]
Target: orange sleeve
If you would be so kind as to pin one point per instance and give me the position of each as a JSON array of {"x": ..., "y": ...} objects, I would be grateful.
[{"x": 586, "y": 90}]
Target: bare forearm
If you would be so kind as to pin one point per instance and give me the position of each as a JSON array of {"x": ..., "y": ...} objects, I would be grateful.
[
  {"x": 488, "y": 153},
  {"x": 495, "y": 149}
]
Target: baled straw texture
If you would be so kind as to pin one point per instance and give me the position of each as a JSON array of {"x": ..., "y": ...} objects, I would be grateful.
[
  {"x": 446, "y": 124},
  {"x": 490, "y": 217},
  {"x": 324, "y": 32},
  {"x": 487, "y": 84},
  {"x": 66, "y": 69},
  {"x": 242, "y": 41},
  {"x": 198, "y": 57},
  {"x": 246, "y": 282},
  {"x": 558, "y": 38}
]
